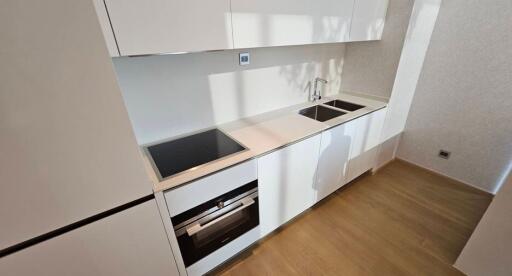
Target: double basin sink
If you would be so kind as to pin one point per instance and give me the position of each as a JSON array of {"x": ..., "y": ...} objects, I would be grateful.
[{"x": 322, "y": 113}]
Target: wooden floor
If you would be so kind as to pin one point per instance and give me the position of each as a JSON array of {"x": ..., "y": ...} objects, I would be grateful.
[{"x": 401, "y": 221}]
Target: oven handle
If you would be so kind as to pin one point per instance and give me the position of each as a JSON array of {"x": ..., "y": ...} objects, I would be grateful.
[{"x": 196, "y": 228}]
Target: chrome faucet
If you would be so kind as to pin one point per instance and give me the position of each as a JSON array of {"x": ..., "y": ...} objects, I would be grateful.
[{"x": 316, "y": 92}]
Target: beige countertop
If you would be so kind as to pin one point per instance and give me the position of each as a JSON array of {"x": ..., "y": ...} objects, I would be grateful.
[{"x": 265, "y": 133}]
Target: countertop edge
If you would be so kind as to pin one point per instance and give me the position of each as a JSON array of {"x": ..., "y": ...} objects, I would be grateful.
[{"x": 217, "y": 166}]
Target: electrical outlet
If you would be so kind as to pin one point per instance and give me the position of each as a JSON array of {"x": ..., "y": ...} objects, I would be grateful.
[
  {"x": 245, "y": 59},
  {"x": 444, "y": 154}
]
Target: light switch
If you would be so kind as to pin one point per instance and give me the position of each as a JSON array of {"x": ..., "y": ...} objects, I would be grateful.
[{"x": 245, "y": 59}]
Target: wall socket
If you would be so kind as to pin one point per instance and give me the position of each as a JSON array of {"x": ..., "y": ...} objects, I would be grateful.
[
  {"x": 245, "y": 59},
  {"x": 444, "y": 154}
]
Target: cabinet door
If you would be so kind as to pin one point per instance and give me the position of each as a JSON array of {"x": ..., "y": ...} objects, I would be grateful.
[
  {"x": 286, "y": 182},
  {"x": 170, "y": 26},
  {"x": 266, "y": 23},
  {"x": 333, "y": 160},
  {"x": 132, "y": 242},
  {"x": 67, "y": 148},
  {"x": 368, "y": 20},
  {"x": 367, "y": 131}
]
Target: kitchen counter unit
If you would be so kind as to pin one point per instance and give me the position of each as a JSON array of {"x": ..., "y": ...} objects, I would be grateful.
[{"x": 264, "y": 133}]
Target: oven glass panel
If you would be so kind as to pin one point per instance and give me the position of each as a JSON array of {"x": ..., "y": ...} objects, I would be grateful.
[{"x": 206, "y": 241}]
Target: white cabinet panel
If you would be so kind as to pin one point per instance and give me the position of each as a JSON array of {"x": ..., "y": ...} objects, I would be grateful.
[
  {"x": 366, "y": 139},
  {"x": 290, "y": 22},
  {"x": 170, "y": 26},
  {"x": 110, "y": 40},
  {"x": 132, "y": 242},
  {"x": 67, "y": 149},
  {"x": 286, "y": 182},
  {"x": 368, "y": 20},
  {"x": 333, "y": 160},
  {"x": 195, "y": 193}
]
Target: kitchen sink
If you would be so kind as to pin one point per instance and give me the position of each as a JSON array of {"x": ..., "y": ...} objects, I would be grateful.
[
  {"x": 320, "y": 113},
  {"x": 344, "y": 105}
]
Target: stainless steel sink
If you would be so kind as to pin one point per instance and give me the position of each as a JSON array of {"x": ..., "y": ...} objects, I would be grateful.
[
  {"x": 344, "y": 105},
  {"x": 320, "y": 113}
]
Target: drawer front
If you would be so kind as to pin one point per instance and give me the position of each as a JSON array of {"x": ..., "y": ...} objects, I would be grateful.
[{"x": 192, "y": 194}]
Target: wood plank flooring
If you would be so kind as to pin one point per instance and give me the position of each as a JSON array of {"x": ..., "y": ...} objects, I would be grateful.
[{"x": 403, "y": 220}]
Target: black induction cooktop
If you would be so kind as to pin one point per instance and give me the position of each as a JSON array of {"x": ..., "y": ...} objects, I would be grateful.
[{"x": 179, "y": 155}]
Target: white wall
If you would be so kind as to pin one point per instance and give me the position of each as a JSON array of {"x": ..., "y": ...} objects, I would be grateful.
[
  {"x": 463, "y": 99},
  {"x": 417, "y": 40},
  {"x": 390, "y": 68},
  {"x": 370, "y": 67},
  {"x": 489, "y": 250},
  {"x": 171, "y": 95}
]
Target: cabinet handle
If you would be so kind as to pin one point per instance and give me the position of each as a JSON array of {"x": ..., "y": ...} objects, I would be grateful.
[{"x": 196, "y": 228}]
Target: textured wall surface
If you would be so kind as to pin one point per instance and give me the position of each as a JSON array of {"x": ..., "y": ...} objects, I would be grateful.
[
  {"x": 463, "y": 100},
  {"x": 370, "y": 67},
  {"x": 171, "y": 95}
]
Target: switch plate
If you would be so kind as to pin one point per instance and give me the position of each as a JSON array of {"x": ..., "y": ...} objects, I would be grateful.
[{"x": 245, "y": 59}]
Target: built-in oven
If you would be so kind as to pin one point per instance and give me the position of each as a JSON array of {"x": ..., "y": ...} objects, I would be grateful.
[{"x": 212, "y": 224}]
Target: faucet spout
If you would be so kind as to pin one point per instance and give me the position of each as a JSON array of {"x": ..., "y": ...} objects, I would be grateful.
[{"x": 316, "y": 91}]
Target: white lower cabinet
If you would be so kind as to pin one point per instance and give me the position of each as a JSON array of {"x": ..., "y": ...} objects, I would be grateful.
[
  {"x": 294, "y": 178},
  {"x": 132, "y": 242},
  {"x": 286, "y": 180},
  {"x": 333, "y": 159},
  {"x": 366, "y": 135}
]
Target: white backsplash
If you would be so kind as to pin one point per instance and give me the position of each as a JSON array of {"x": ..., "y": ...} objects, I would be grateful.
[{"x": 170, "y": 95}]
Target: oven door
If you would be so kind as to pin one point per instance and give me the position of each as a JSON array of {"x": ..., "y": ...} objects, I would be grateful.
[{"x": 202, "y": 237}]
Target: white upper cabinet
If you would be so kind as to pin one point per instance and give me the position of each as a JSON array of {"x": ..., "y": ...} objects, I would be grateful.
[
  {"x": 286, "y": 180},
  {"x": 368, "y": 19},
  {"x": 141, "y": 27},
  {"x": 170, "y": 26},
  {"x": 333, "y": 160},
  {"x": 266, "y": 23}
]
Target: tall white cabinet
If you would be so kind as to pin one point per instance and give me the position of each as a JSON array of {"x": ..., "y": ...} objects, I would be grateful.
[
  {"x": 286, "y": 180},
  {"x": 67, "y": 149},
  {"x": 132, "y": 242},
  {"x": 170, "y": 26},
  {"x": 267, "y": 23},
  {"x": 104, "y": 20}
]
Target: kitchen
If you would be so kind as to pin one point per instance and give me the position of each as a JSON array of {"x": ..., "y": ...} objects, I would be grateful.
[{"x": 171, "y": 137}]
